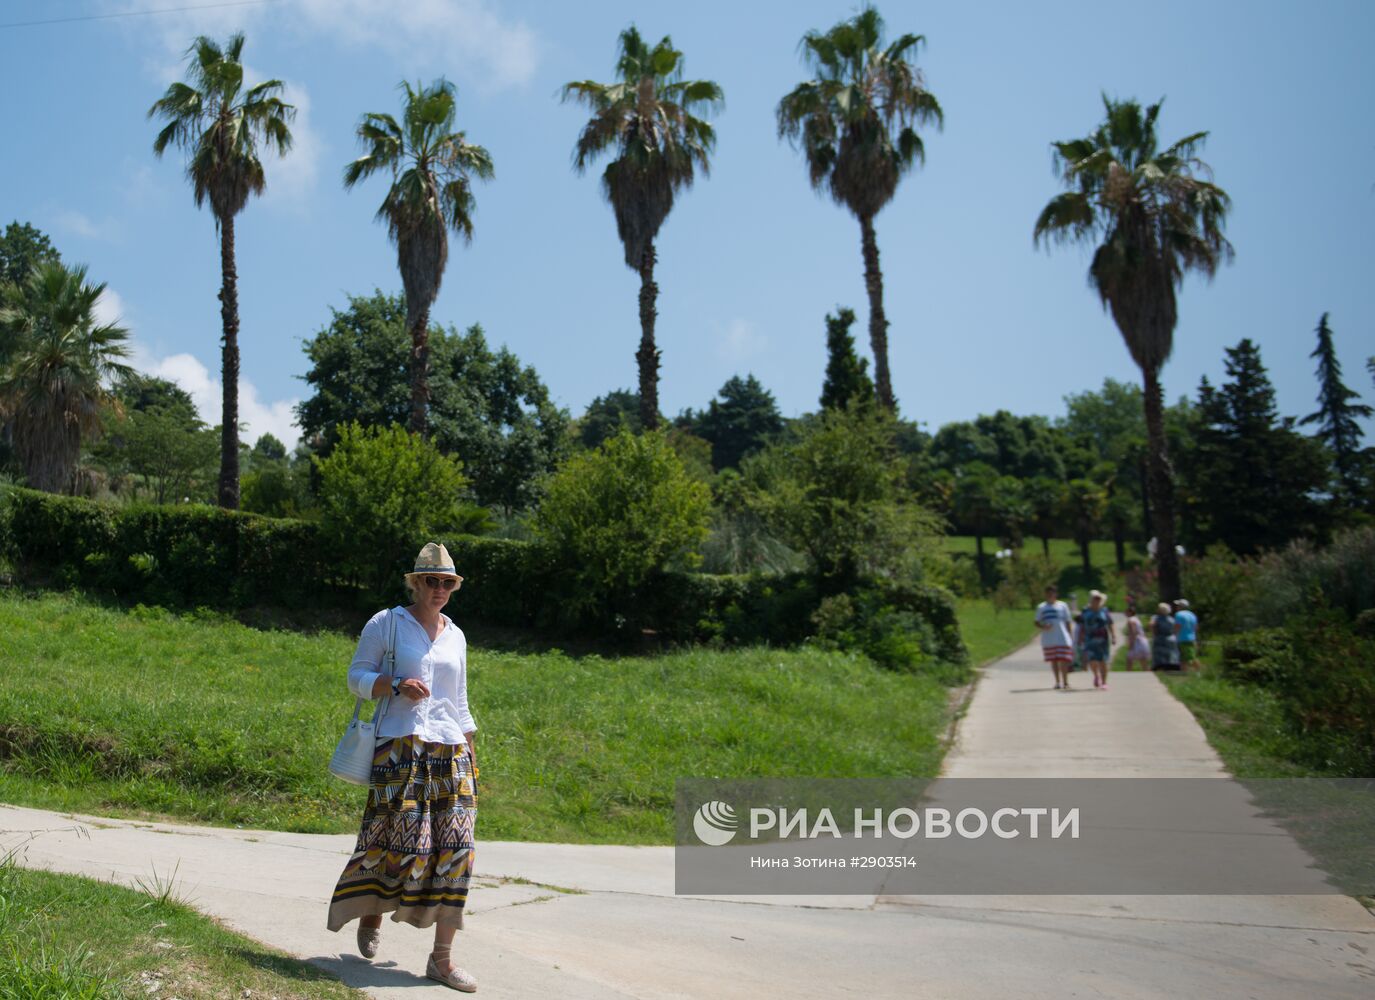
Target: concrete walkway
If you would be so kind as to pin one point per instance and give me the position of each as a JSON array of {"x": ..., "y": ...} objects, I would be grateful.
[{"x": 626, "y": 934}]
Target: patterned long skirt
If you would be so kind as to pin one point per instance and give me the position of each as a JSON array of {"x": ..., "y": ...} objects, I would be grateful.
[{"x": 414, "y": 853}]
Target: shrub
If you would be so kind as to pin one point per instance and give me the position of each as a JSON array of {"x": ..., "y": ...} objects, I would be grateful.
[
  {"x": 905, "y": 628},
  {"x": 1219, "y": 586},
  {"x": 612, "y": 518},
  {"x": 1260, "y": 656},
  {"x": 837, "y": 493},
  {"x": 1302, "y": 576},
  {"x": 384, "y": 492},
  {"x": 1024, "y": 580}
]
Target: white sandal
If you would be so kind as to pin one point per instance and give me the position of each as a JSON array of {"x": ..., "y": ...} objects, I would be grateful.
[{"x": 455, "y": 978}]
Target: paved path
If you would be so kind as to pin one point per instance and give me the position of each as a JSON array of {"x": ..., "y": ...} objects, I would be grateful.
[{"x": 626, "y": 934}]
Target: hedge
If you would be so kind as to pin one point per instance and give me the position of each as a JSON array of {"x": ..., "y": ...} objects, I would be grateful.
[{"x": 193, "y": 555}]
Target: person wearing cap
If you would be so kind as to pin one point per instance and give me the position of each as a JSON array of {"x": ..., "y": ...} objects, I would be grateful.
[
  {"x": 414, "y": 854},
  {"x": 1186, "y": 631},
  {"x": 1099, "y": 637},
  {"x": 1164, "y": 644}
]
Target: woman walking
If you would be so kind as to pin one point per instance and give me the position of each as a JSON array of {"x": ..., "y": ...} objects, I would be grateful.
[
  {"x": 414, "y": 854},
  {"x": 1138, "y": 649},
  {"x": 1099, "y": 637},
  {"x": 1164, "y": 645},
  {"x": 1054, "y": 621}
]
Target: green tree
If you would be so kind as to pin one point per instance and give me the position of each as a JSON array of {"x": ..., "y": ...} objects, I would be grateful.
[
  {"x": 973, "y": 508},
  {"x": 1046, "y": 499},
  {"x": 53, "y": 389},
  {"x": 836, "y": 491},
  {"x": 1254, "y": 481},
  {"x": 613, "y": 517},
  {"x": 854, "y": 123},
  {"x": 175, "y": 459},
  {"x": 484, "y": 405},
  {"x": 431, "y": 167},
  {"x": 276, "y": 484},
  {"x": 847, "y": 374},
  {"x": 1085, "y": 503},
  {"x": 1153, "y": 218},
  {"x": 222, "y": 126},
  {"x": 739, "y": 423},
  {"x": 383, "y": 492},
  {"x": 1109, "y": 425},
  {"x": 22, "y": 248},
  {"x": 1337, "y": 413},
  {"x": 648, "y": 116},
  {"x": 608, "y": 415}
]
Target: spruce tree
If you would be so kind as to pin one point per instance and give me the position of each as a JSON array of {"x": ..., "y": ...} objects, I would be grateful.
[
  {"x": 1337, "y": 412},
  {"x": 847, "y": 374},
  {"x": 1253, "y": 481}
]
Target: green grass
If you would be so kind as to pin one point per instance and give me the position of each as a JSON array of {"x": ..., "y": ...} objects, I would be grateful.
[
  {"x": 990, "y": 633},
  {"x": 1244, "y": 723},
  {"x": 146, "y": 713},
  {"x": 69, "y": 938},
  {"x": 1065, "y": 554}
]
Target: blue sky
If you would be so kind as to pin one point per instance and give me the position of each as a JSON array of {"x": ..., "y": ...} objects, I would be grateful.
[{"x": 751, "y": 259}]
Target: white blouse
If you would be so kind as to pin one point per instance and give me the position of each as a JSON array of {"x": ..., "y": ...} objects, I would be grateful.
[{"x": 443, "y": 717}]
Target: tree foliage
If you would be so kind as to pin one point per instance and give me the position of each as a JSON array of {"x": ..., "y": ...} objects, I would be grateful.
[
  {"x": 61, "y": 360},
  {"x": 22, "y": 248},
  {"x": 432, "y": 167},
  {"x": 1337, "y": 415},
  {"x": 613, "y": 517},
  {"x": 738, "y": 423},
  {"x": 647, "y": 120},
  {"x": 847, "y": 374},
  {"x": 1253, "y": 481},
  {"x": 222, "y": 127},
  {"x": 485, "y": 407},
  {"x": 856, "y": 124},
  {"x": 1152, "y": 215},
  {"x": 836, "y": 491},
  {"x": 384, "y": 492}
]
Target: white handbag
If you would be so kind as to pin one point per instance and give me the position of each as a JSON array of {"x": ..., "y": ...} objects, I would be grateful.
[{"x": 352, "y": 760}]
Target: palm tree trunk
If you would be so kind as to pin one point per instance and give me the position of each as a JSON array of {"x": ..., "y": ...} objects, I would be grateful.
[
  {"x": 229, "y": 369},
  {"x": 420, "y": 371},
  {"x": 878, "y": 322},
  {"x": 647, "y": 357},
  {"x": 1161, "y": 486}
]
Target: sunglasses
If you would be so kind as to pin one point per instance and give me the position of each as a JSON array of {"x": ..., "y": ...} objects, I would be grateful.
[{"x": 443, "y": 582}]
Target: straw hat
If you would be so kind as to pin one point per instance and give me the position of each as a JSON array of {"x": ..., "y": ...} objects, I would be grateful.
[{"x": 434, "y": 560}]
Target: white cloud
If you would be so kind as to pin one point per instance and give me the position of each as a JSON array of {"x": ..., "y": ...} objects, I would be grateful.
[
  {"x": 80, "y": 224},
  {"x": 739, "y": 340},
  {"x": 109, "y": 308},
  {"x": 256, "y": 414},
  {"x": 291, "y": 178},
  {"x": 434, "y": 35},
  {"x": 470, "y": 39}
]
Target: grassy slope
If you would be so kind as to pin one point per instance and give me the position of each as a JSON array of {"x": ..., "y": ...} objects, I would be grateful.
[
  {"x": 69, "y": 938},
  {"x": 990, "y": 633},
  {"x": 202, "y": 719}
]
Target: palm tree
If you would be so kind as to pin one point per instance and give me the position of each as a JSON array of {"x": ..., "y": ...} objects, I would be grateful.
[
  {"x": 854, "y": 123},
  {"x": 647, "y": 117},
  {"x": 60, "y": 362},
  {"x": 1154, "y": 215},
  {"x": 431, "y": 192},
  {"x": 221, "y": 126}
]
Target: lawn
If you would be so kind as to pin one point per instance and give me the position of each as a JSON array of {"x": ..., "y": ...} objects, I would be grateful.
[
  {"x": 69, "y": 938},
  {"x": 1065, "y": 553},
  {"x": 146, "y": 713},
  {"x": 990, "y": 633}
]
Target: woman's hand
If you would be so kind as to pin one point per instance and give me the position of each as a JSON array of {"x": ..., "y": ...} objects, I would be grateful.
[{"x": 414, "y": 689}]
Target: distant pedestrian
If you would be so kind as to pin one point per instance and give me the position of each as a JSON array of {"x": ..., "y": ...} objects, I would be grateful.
[
  {"x": 1138, "y": 649},
  {"x": 414, "y": 855},
  {"x": 1057, "y": 645},
  {"x": 1186, "y": 630},
  {"x": 1099, "y": 637},
  {"x": 1164, "y": 644}
]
